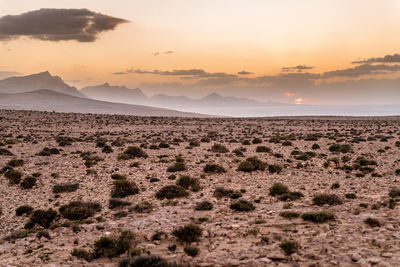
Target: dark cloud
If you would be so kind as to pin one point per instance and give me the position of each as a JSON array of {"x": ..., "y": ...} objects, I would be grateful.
[
  {"x": 298, "y": 68},
  {"x": 243, "y": 72},
  {"x": 386, "y": 59},
  {"x": 364, "y": 69},
  {"x": 81, "y": 25},
  {"x": 169, "y": 52},
  {"x": 184, "y": 74}
]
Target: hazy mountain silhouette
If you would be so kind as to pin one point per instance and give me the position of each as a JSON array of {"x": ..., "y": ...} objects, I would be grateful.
[
  {"x": 48, "y": 100},
  {"x": 123, "y": 94},
  {"x": 38, "y": 81}
]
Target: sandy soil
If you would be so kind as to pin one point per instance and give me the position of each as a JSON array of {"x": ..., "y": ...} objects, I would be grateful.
[{"x": 229, "y": 237}]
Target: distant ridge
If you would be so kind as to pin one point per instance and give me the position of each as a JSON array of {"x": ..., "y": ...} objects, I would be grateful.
[
  {"x": 38, "y": 81},
  {"x": 124, "y": 94},
  {"x": 49, "y": 100}
]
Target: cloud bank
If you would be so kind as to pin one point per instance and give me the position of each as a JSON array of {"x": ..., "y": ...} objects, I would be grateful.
[{"x": 81, "y": 25}]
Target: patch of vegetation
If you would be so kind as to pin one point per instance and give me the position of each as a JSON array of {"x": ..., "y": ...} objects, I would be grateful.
[
  {"x": 318, "y": 216},
  {"x": 289, "y": 214},
  {"x": 13, "y": 176},
  {"x": 48, "y": 152},
  {"x": 350, "y": 196},
  {"x": 187, "y": 182},
  {"x": 117, "y": 176},
  {"x": 41, "y": 217},
  {"x": 242, "y": 205},
  {"x": 5, "y": 152},
  {"x": 274, "y": 168},
  {"x": 289, "y": 246},
  {"x": 342, "y": 148},
  {"x": 143, "y": 207},
  {"x": 16, "y": 163},
  {"x": 191, "y": 251},
  {"x": 124, "y": 188},
  {"x": 132, "y": 152},
  {"x": 278, "y": 189},
  {"x": 114, "y": 203},
  {"x": 147, "y": 261},
  {"x": 251, "y": 164},
  {"x": 263, "y": 149},
  {"x": 394, "y": 192},
  {"x": 221, "y": 192},
  {"x": 188, "y": 233},
  {"x": 64, "y": 140},
  {"x": 330, "y": 199},
  {"x": 171, "y": 191},
  {"x": 78, "y": 210},
  {"x": 292, "y": 195},
  {"x": 219, "y": 148},
  {"x": 214, "y": 168},
  {"x": 204, "y": 205},
  {"x": 372, "y": 222},
  {"x": 66, "y": 187},
  {"x": 24, "y": 209},
  {"x": 28, "y": 182}
]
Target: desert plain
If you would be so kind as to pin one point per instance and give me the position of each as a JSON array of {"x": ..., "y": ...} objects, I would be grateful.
[{"x": 115, "y": 190}]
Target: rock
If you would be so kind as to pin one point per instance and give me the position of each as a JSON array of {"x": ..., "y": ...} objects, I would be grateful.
[
  {"x": 276, "y": 256},
  {"x": 374, "y": 260},
  {"x": 355, "y": 257}
]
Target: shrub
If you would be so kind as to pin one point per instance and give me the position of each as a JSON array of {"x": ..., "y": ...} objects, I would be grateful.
[
  {"x": 242, "y": 205},
  {"x": 132, "y": 152},
  {"x": 146, "y": 261},
  {"x": 5, "y": 152},
  {"x": 112, "y": 247},
  {"x": 177, "y": 167},
  {"x": 218, "y": 148},
  {"x": 221, "y": 192},
  {"x": 251, "y": 164},
  {"x": 64, "y": 140},
  {"x": 24, "y": 209},
  {"x": 278, "y": 189},
  {"x": 330, "y": 199},
  {"x": 292, "y": 195},
  {"x": 43, "y": 233},
  {"x": 350, "y": 196},
  {"x": 274, "y": 168},
  {"x": 372, "y": 222},
  {"x": 78, "y": 210},
  {"x": 289, "y": 246},
  {"x": 204, "y": 205},
  {"x": 345, "y": 148},
  {"x": 171, "y": 191},
  {"x": 319, "y": 216},
  {"x": 124, "y": 188},
  {"x": 114, "y": 203},
  {"x": 191, "y": 251},
  {"x": 188, "y": 233},
  {"x": 186, "y": 181},
  {"x": 143, "y": 207},
  {"x": 81, "y": 254},
  {"x": 238, "y": 152},
  {"x": 117, "y": 176},
  {"x": 16, "y": 162},
  {"x": 13, "y": 176},
  {"x": 28, "y": 182},
  {"x": 214, "y": 168},
  {"x": 67, "y": 187},
  {"x": 335, "y": 185},
  {"x": 41, "y": 217},
  {"x": 289, "y": 214},
  {"x": 48, "y": 152},
  {"x": 256, "y": 140},
  {"x": 394, "y": 192},
  {"x": 263, "y": 149},
  {"x": 315, "y": 146},
  {"x": 107, "y": 149}
]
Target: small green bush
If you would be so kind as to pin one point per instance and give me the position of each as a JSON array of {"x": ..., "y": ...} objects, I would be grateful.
[
  {"x": 113, "y": 247},
  {"x": 242, "y": 205},
  {"x": 191, "y": 251},
  {"x": 372, "y": 222},
  {"x": 218, "y": 148},
  {"x": 114, "y": 203},
  {"x": 78, "y": 210},
  {"x": 143, "y": 207},
  {"x": 16, "y": 163},
  {"x": 187, "y": 182},
  {"x": 28, "y": 182},
  {"x": 278, "y": 189},
  {"x": 292, "y": 195},
  {"x": 274, "y": 168},
  {"x": 177, "y": 167},
  {"x": 24, "y": 209},
  {"x": 289, "y": 214},
  {"x": 41, "y": 217},
  {"x": 394, "y": 192},
  {"x": 188, "y": 233},
  {"x": 171, "y": 191},
  {"x": 319, "y": 216},
  {"x": 67, "y": 187},
  {"x": 124, "y": 188},
  {"x": 289, "y": 246},
  {"x": 263, "y": 149},
  {"x": 204, "y": 205},
  {"x": 251, "y": 164},
  {"x": 13, "y": 176},
  {"x": 214, "y": 168},
  {"x": 132, "y": 152},
  {"x": 147, "y": 261},
  {"x": 330, "y": 199},
  {"x": 117, "y": 176}
]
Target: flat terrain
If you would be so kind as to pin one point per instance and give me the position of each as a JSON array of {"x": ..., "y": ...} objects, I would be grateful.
[{"x": 336, "y": 204}]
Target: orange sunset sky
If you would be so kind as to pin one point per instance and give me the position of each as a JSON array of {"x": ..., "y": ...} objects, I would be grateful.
[{"x": 258, "y": 49}]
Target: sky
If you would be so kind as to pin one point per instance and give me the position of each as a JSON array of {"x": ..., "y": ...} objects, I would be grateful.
[{"x": 293, "y": 51}]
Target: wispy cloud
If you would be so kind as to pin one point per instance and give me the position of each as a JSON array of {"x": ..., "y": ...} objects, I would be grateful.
[
  {"x": 298, "y": 68},
  {"x": 386, "y": 59}
]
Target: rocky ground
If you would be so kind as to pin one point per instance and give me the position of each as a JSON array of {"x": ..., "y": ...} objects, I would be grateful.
[{"x": 316, "y": 191}]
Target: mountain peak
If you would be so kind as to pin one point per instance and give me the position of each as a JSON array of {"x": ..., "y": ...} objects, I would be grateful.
[
  {"x": 43, "y": 74},
  {"x": 213, "y": 96}
]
